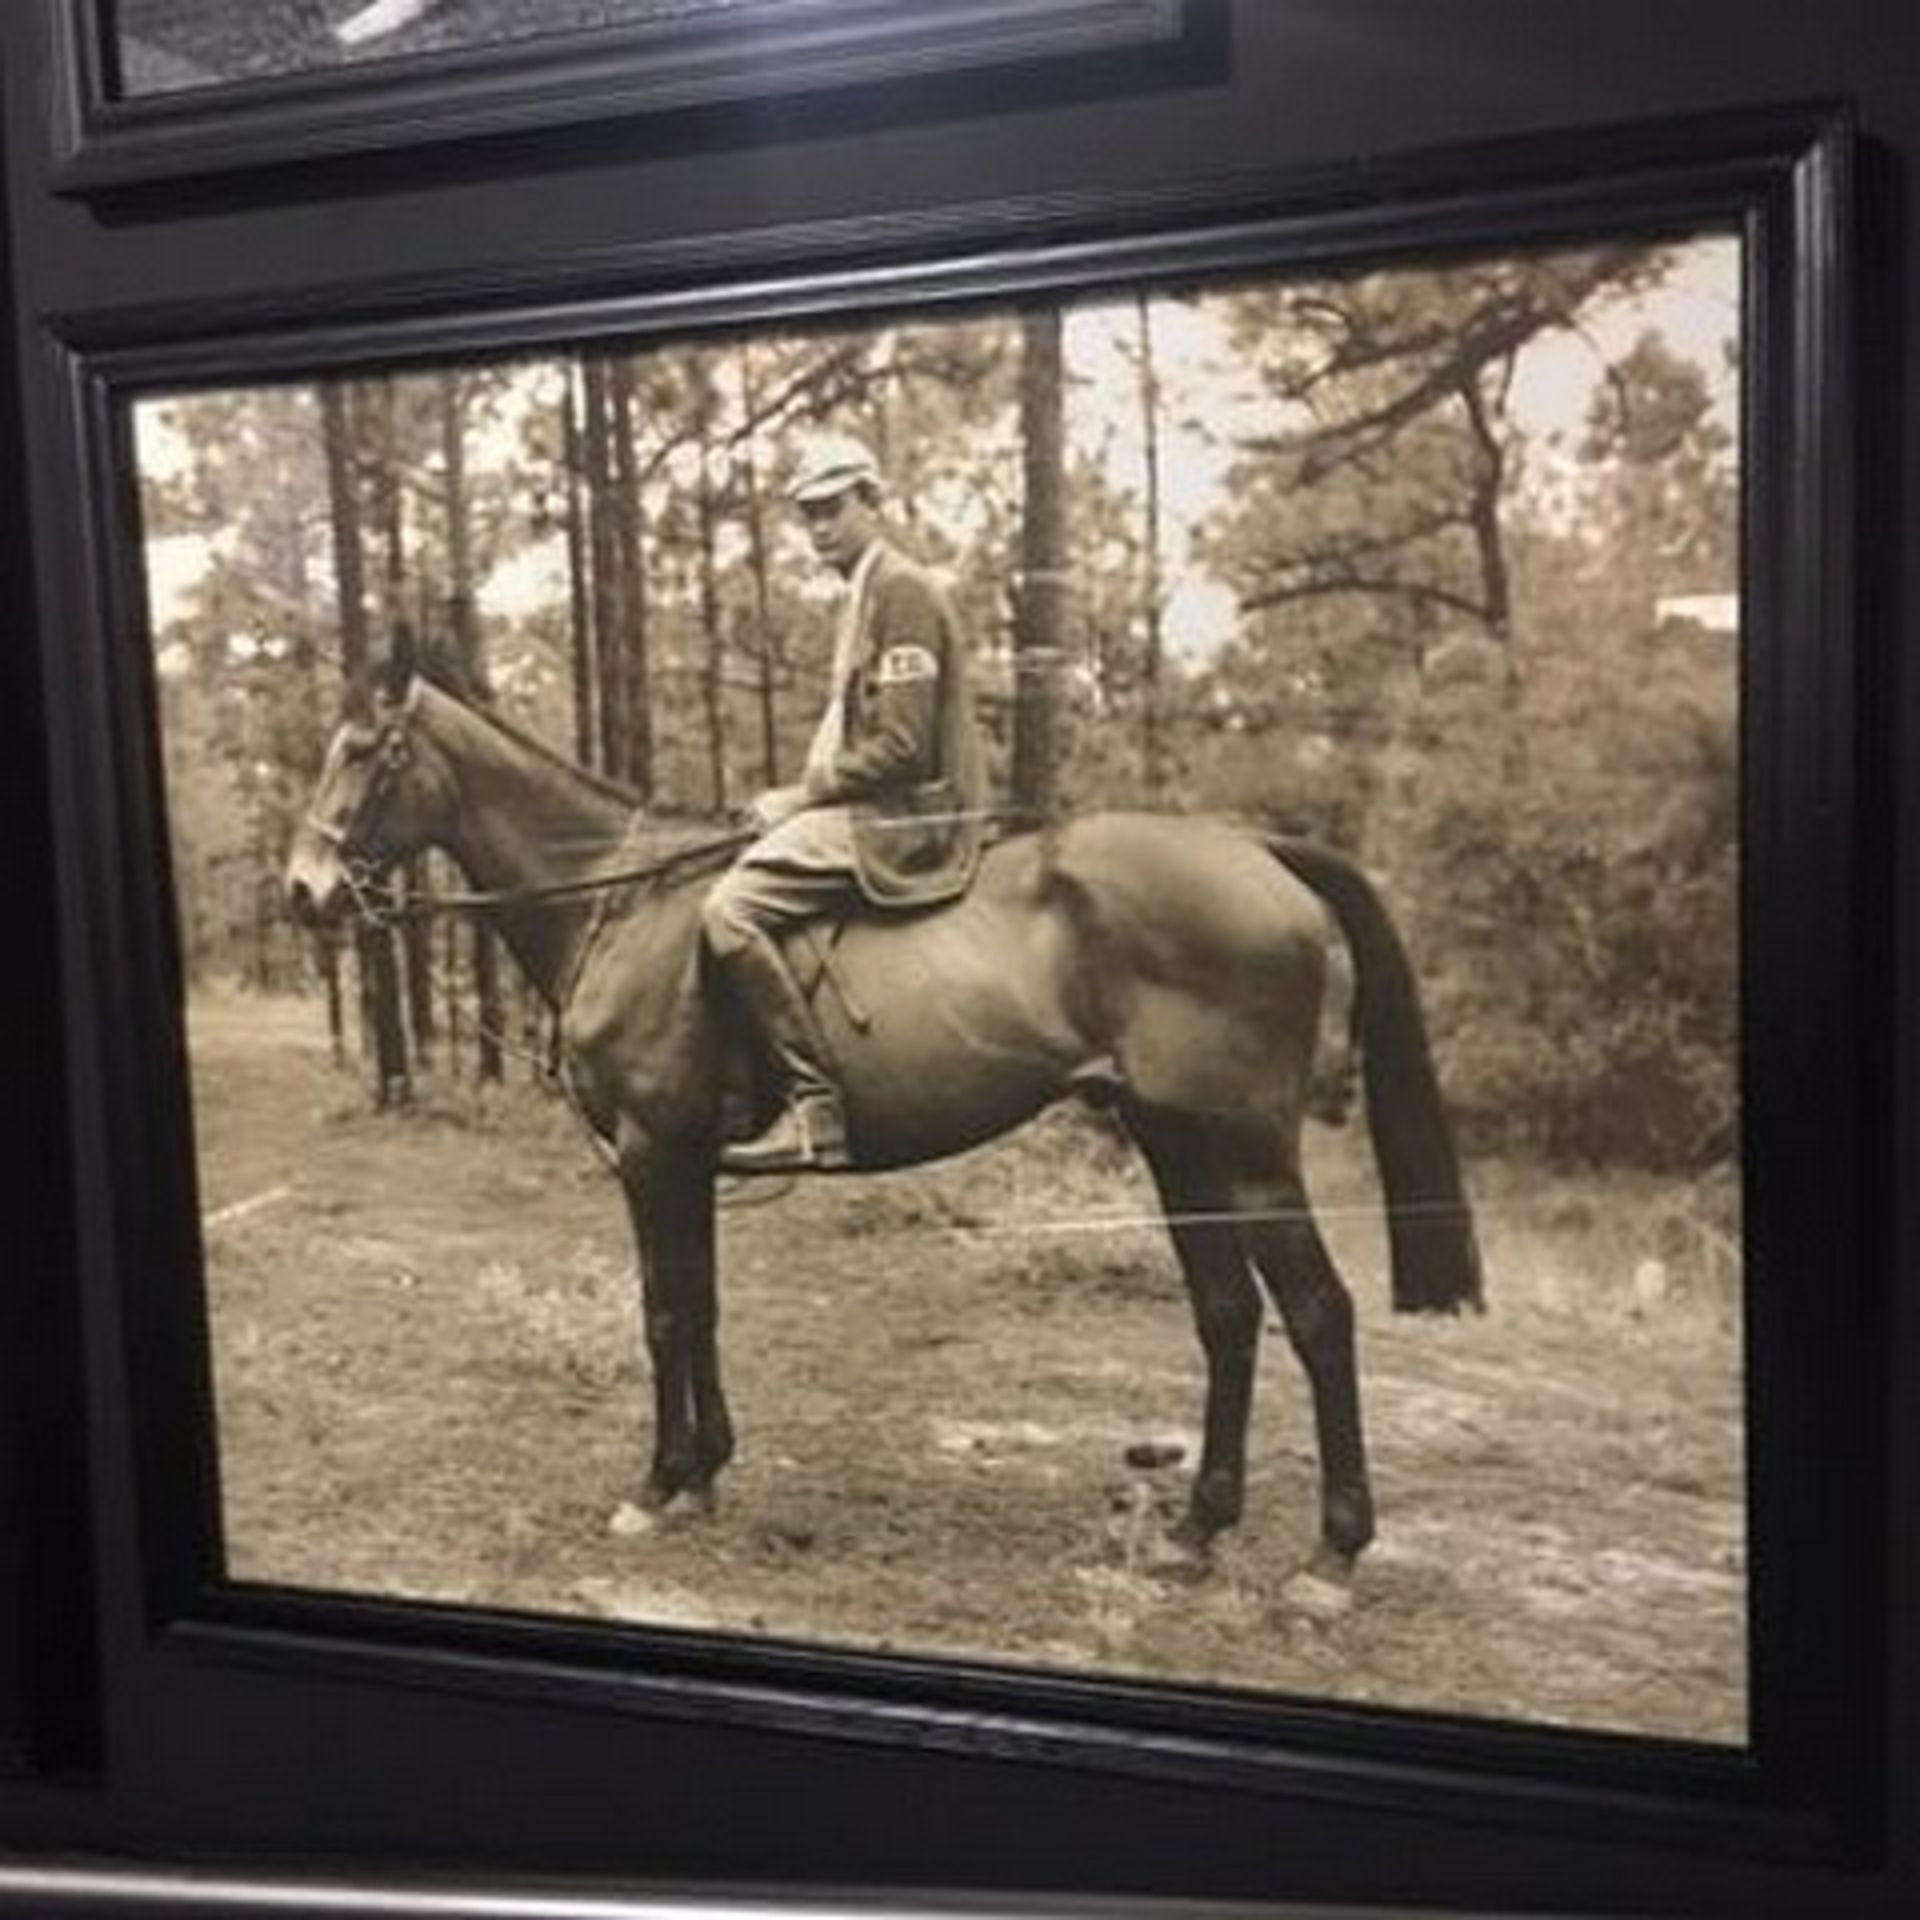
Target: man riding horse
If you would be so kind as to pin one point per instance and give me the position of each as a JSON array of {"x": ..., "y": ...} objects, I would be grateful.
[
  {"x": 888, "y": 811},
  {"x": 1174, "y": 966}
]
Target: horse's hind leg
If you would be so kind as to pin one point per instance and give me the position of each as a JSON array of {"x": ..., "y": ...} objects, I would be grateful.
[
  {"x": 1226, "y": 1312},
  {"x": 1279, "y": 1233}
]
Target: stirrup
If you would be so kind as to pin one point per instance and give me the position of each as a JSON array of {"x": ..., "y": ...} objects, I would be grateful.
[{"x": 808, "y": 1136}]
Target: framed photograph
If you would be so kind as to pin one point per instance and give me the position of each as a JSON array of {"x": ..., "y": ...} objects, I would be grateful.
[
  {"x": 1284, "y": 1304},
  {"x": 1288, "y": 546},
  {"x": 154, "y": 90},
  {"x": 1306, "y": 1309}
]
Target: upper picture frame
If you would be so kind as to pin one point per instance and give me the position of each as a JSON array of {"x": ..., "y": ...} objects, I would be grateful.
[{"x": 150, "y": 91}]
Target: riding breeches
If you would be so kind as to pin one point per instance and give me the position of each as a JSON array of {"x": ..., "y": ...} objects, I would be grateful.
[{"x": 801, "y": 870}]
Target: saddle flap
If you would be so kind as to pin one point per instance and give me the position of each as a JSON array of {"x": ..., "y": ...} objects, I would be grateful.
[{"x": 808, "y": 950}]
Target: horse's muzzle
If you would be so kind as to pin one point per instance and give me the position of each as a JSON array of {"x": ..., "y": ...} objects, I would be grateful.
[{"x": 315, "y": 887}]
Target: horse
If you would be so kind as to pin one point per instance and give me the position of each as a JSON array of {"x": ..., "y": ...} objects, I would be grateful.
[{"x": 1168, "y": 968}]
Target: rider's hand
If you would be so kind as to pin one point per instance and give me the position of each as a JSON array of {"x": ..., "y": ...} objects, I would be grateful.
[{"x": 769, "y": 809}]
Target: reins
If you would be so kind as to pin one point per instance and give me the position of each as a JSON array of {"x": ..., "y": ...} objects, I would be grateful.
[{"x": 379, "y": 903}]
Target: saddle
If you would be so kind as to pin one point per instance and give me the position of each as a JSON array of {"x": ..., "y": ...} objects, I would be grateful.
[{"x": 808, "y": 950}]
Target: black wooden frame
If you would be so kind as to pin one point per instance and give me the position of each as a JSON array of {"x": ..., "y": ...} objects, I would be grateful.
[
  {"x": 1808, "y": 1790},
  {"x": 716, "y": 54},
  {"x": 49, "y": 1685}
]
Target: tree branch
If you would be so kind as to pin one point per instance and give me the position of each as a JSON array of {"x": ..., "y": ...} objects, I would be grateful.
[
  {"x": 1498, "y": 329},
  {"x": 1267, "y": 597}
]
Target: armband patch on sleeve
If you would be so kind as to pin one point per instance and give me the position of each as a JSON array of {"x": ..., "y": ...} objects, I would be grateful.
[{"x": 899, "y": 666}]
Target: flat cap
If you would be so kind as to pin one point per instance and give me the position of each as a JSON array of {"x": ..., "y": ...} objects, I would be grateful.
[{"x": 830, "y": 464}]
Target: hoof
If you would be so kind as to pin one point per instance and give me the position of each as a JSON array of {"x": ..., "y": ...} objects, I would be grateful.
[
  {"x": 628, "y": 1522},
  {"x": 1322, "y": 1591},
  {"x": 689, "y": 1505},
  {"x": 1175, "y": 1555},
  {"x": 659, "y": 1512}
]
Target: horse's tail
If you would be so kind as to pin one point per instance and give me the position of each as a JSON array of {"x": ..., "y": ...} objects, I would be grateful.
[{"x": 1435, "y": 1256}]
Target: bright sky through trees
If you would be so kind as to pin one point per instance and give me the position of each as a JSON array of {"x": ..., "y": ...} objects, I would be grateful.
[{"x": 1207, "y": 399}]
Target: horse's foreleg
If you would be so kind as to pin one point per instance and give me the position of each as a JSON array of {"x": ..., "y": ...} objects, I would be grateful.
[
  {"x": 1226, "y": 1313},
  {"x": 712, "y": 1423},
  {"x": 1317, "y": 1310},
  {"x": 672, "y": 1211}
]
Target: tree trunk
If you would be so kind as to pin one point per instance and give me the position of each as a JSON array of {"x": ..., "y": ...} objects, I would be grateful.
[
  {"x": 1040, "y": 612},
  {"x": 532, "y": 1023},
  {"x": 350, "y": 589},
  {"x": 470, "y": 645},
  {"x": 266, "y": 916},
  {"x": 343, "y": 501},
  {"x": 373, "y": 947},
  {"x": 327, "y": 953},
  {"x": 380, "y": 990},
  {"x": 603, "y": 566},
  {"x": 383, "y": 459},
  {"x": 463, "y": 614},
  {"x": 713, "y": 673},
  {"x": 636, "y": 728},
  {"x": 490, "y": 1011},
  {"x": 1489, "y": 482},
  {"x": 452, "y": 1020},
  {"x": 1153, "y": 586},
  {"x": 416, "y": 943},
  {"x": 1496, "y": 590},
  {"x": 764, "y": 652},
  {"x": 579, "y": 584}
]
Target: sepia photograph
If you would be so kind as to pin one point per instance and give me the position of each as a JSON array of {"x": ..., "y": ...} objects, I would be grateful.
[
  {"x": 167, "y": 46},
  {"x": 150, "y": 91},
  {"x": 1053, "y": 986},
  {"x": 158, "y": 47}
]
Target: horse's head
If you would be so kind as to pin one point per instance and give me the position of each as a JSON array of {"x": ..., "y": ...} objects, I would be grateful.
[{"x": 384, "y": 793}]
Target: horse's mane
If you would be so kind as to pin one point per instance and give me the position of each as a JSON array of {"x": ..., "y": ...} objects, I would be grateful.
[
  {"x": 601, "y": 783},
  {"x": 440, "y": 667}
]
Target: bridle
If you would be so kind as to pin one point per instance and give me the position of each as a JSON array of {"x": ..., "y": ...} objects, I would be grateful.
[{"x": 356, "y": 841}]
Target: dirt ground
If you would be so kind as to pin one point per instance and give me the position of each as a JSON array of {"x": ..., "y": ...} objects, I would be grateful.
[{"x": 431, "y": 1383}]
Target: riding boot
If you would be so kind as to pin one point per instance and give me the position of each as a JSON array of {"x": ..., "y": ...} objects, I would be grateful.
[{"x": 810, "y": 1132}]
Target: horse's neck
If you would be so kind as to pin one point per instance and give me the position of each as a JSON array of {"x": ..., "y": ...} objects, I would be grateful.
[{"x": 526, "y": 822}]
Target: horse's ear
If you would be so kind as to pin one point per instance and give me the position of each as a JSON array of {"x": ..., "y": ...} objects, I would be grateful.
[
  {"x": 436, "y": 661},
  {"x": 393, "y": 672}
]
